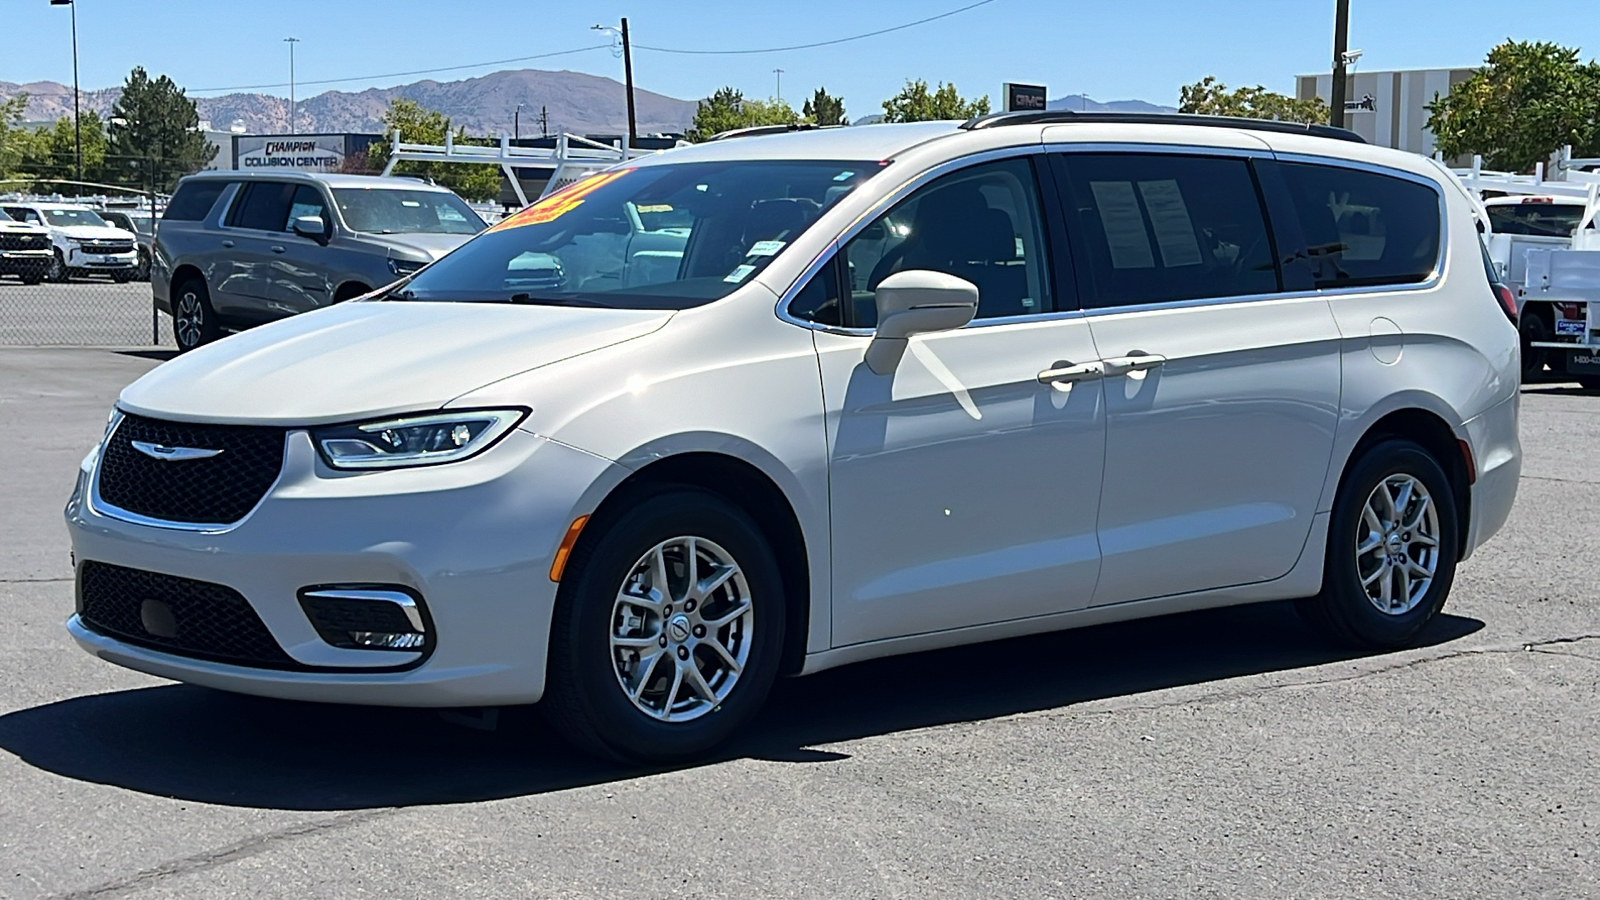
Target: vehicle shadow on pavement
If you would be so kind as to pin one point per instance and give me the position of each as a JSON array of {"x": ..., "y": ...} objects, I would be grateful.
[{"x": 213, "y": 747}]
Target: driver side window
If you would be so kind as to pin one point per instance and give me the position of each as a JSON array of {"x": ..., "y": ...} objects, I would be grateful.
[{"x": 981, "y": 224}]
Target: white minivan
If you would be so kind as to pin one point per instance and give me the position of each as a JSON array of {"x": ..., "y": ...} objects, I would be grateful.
[{"x": 875, "y": 390}]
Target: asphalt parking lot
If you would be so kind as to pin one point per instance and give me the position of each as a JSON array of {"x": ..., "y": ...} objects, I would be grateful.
[{"x": 1219, "y": 754}]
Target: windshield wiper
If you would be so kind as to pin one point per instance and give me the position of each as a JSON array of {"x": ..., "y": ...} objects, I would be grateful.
[{"x": 531, "y": 300}]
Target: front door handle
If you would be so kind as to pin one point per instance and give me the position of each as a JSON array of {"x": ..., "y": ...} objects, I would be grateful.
[
  {"x": 277, "y": 248},
  {"x": 227, "y": 243},
  {"x": 1133, "y": 362},
  {"x": 1067, "y": 375}
]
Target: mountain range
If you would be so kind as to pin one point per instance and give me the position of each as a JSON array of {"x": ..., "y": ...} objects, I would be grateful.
[{"x": 575, "y": 102}]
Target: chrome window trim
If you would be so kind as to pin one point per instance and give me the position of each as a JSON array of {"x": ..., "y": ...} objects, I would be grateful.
[
  {"x": 900, "y": 192},
  {"x": 98, "y": 505},
  {"x": 1435, "y": 277}
]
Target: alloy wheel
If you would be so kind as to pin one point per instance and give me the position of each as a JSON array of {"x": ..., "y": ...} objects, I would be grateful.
[
  {"x": 681, "y": 629},
  {"x": 190, "y": 319},
  {"x": 1397, "y": 544}
]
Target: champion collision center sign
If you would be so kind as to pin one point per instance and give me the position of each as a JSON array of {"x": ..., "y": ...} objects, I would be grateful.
[{"x": 307, "y": 153}]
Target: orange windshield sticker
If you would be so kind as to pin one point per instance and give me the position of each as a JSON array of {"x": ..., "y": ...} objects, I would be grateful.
[{"x": 554, "y": 206}]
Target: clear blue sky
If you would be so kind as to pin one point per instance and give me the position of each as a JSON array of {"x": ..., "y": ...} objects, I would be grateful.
[{"x": 1109, "y": 49}]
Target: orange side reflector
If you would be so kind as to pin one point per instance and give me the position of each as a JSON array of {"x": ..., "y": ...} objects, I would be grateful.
[
  {"x": 1472, "y": 466},
  {"x": 559, "y": 564}
]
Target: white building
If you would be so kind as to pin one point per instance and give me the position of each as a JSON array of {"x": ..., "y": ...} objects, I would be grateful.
[{"x": 1388, "y": 108}]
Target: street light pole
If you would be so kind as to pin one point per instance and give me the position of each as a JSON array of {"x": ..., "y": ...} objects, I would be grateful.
[
  {"x": 1341, "y": 46},
  {"x": 291, "y": 41},
  {"x": 779, "y": 73},
  {"x": 77, "y": 123},
  {"x": 516, "y": 124},
  {"x": 627, "y": 71}
]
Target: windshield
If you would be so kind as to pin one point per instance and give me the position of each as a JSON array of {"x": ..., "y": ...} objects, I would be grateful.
[
  {"x": 401, "y": 211},
  {"x": 66, "y": 217},
  {"x": 1536, "y": 219},
  {"x": 654, "y": 237}
]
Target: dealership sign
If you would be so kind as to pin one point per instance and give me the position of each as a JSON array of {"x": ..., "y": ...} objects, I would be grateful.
[
  {"x": 1024, "y": 97},
  {"x": 306, "y": 153}
]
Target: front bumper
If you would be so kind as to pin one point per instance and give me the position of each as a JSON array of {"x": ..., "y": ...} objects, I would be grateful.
[
  {"x": 24, "y": 260},
  {"x": 473, "y": 538},
  {"x": 78, "y": 258}
]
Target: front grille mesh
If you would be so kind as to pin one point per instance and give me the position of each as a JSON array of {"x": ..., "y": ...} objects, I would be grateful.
[
  {"x": 219, "y": 490},
  {"x": 107, "y": 246},
  {"x": 199, "y": 619},
  {"x": 24, "y": 242}
]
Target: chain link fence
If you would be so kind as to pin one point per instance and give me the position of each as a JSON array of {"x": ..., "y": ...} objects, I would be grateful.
[{"x": 66, "y": 279}]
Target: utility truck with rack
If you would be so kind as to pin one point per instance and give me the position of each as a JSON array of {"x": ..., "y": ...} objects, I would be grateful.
[{"x": 1543, "y": 237}]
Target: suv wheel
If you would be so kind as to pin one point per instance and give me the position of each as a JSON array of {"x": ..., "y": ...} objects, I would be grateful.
[
  {"x": 667, "y": 631},
  {"x": 123, "y": 276},
  {"x": 193, "y": 321},
  {"x": 1533, "y": 328},
  {"x": 56, "y": 271},
  {"x": 1392, "y": 546}
]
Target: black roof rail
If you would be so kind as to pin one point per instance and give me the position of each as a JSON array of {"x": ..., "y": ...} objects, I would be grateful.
[
  {"x": 759, "y": 130},
  {"x": 1068, "y": 117}
]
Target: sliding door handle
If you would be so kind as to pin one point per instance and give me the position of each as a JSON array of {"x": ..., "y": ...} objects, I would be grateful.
[
  {"x": 1067, "y": 375},
  {"x": 1133, "y": 362}
]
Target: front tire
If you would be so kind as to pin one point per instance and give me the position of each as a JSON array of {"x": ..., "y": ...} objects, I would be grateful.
[
  {"x": 194, "y": 322},
  {"x": 668, "y": 629},
  {"x": 123, "y": 276},
  {"x": 1392, "y": 546},
  {"x": 56, "y": 271}
]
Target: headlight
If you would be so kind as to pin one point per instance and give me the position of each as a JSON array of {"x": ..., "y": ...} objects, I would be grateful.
[
  {"x": 414, "y": 440},
  {"x": 403, "y": 267}
]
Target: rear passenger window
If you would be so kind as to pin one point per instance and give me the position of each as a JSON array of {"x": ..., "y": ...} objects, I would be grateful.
[
  {"x": 1158, "y": 229},
  {"x": 264, "y": 206},
  {"x": 1362, "y": 228},
  {"x": 193, "y": 201}
]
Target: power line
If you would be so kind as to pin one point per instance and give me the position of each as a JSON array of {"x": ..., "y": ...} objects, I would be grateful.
[
  {"x": 843, "y": 40},
  {"x": 500, "y": 62},
  {"x": 478, "y": 65}
]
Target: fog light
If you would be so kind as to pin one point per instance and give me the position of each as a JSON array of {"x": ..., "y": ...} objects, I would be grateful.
[{"x": 367, "y": 617}]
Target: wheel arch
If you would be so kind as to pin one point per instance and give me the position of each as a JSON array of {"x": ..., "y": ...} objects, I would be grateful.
[
  {"x": 350, "y": 290},
  {"x": 1433, "y": 433},
  {"x": 753, "y": 491},
  {"x": 184, "y": 273}
]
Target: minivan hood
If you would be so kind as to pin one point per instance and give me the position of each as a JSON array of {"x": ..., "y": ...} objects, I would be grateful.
[
  {"x": 431, "y": 246},
  {"x": 364, "y": 359}
]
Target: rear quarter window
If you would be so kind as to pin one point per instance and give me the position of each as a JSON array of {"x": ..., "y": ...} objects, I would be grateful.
[
  {"x": 193, "y": 200},
  {"x": 1363, "y": 228}
]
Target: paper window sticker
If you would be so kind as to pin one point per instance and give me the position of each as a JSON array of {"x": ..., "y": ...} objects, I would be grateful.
[
  {"x": 1169, "y": 216},
  {"x": 766, "y": 248},
  {"x": 739, "y": 274},
  {"x": 1123, "y": 225}
]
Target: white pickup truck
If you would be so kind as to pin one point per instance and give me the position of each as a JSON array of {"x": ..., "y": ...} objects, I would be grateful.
[{"x": 1544, "y": 239}]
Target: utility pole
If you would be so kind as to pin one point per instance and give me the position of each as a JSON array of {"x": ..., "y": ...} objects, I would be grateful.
[
  {"x": 627, "y": 71},
  {"x": 291, "y": 41},
  {"x": 779, "y": 73},
  {"x": 516, "y": 124},
  {"x": 1341, "y": 44},
  {"x": 77, "y": 123},
  {"x": 544, "y": 120}
]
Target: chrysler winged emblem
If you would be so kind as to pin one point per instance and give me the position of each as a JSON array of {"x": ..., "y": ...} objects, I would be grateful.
[{"x": 172, "y": 454}]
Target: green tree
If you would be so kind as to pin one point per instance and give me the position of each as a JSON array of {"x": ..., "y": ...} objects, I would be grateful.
[
  {"x": 14, "y": 141},
  {"x": 418, "y": 124},
  {"x": 727, "y": 110},
  {"x": 155, "y": 123},
  {"x": 1210, "y": 97},
  {"x": 824, "y": 109},
  {"x": 53, "y": 151},
  {"x": 915, "y": 103},
  {"x": 1528, "y": 101}
]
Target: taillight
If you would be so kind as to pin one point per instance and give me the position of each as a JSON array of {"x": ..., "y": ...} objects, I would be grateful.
[{"x": 1508, "y": 301}]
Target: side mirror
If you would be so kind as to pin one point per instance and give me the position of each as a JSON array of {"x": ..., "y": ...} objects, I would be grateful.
[
  {"x": 311, "y": 227},
  {"x": 917, "y": 301}
]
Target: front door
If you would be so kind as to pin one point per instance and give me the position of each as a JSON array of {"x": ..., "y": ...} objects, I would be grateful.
[
  {"x": 964, "y": 489},
  {"x": 1222, "y": 389}
]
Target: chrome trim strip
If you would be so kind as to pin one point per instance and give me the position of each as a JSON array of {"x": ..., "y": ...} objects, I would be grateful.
[
  {"x": 97, "y": 504},
  {"x": 172, "y": 454},
  {"x": 398, "y": 598}
]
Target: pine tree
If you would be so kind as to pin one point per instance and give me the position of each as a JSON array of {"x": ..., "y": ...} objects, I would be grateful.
[{"x": 155, "y": 124}]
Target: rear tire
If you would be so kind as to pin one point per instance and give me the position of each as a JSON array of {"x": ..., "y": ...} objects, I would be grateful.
[
  {"x": 1533, "y": 328},
  {"x": 194, "y": 322},
  {"x": 1588, "y": 382},
  {"x": 1412, "y": 536},
  {"x": 618, "y": 679}
]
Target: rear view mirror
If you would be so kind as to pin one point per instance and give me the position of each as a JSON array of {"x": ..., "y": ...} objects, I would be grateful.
[
  {"x": 917, "y": 301},
  {"x": 311, "y": 227}
]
